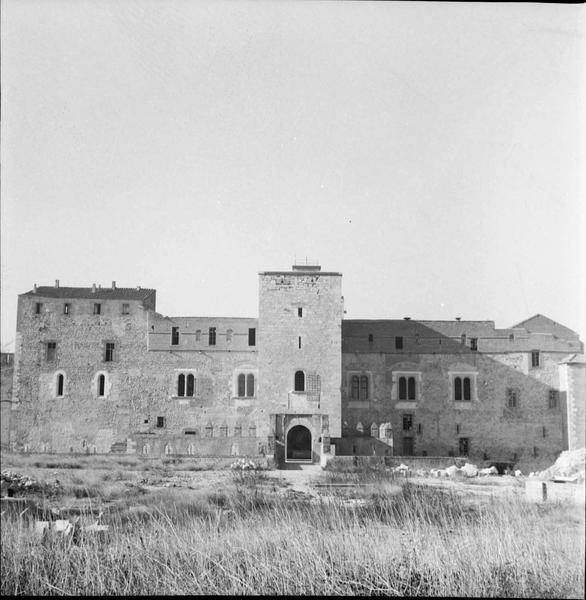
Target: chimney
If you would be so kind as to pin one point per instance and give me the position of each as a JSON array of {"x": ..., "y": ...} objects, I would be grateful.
[
  {"x": 113, "y": 285},
  {"x": 35, "y": 288},
  {"x": 56, "y": 283},
  {"x": 93, "y": 288}
]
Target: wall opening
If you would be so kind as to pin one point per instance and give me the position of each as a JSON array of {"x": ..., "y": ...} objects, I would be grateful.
[{"x": 299, "y": 444}]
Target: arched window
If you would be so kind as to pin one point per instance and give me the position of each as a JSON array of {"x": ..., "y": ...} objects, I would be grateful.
[
  {"x": 241, "y": 385},
  {"x": 101, "y": 385},
  {"x": 363, "y": 387},
  {"x": 402, "y": 388},
  {"x": 181, "y": 385},
  {"x": 458, "y": 388},
  {"x": 190, "y": 385},
  {"x": 411, "y": 388},
  {"x": 60, "y": 384},
  {"x": 299, "y": 381},
  {"x": 467, "y": 395},
  {"x": 250, "y": 385},
  {"x": 355, "y": 381}
]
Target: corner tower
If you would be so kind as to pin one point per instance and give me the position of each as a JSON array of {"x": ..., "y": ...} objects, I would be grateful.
[{"x": 300, "y": 358}]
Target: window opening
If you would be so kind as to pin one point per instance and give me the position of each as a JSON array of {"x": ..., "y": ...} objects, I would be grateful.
[
  {"x": 126, "y": 309},
  {"x": 462, "y": 388},
  {"x": 370, "y": 338},
  {"x": 60, "y": 384},
  {"x": 66, "y": 308},
  {"x": 363, "y": 387},
  {"x": 212, "y": 336},
  {"x": 252, "y": 336},
  {"x": 398, "y": 343},
  {"x": 229, "y": 335},
  {"x": 553, "y": 398},
  {"x": 463, "y": 446},
  {"x": 512, "y": 397},
  {"x": 38, "y": 307},
  {"x": 299, "y": 342},
  {"x": 463, "y": 338},
  {"x": 241, "y": 385},
  {"x": 160, "y": 422},
  {"x": 535, "y": 358},
  {"x": 190, "y": 391},
  {"x": 51, "y": 351},
  {"x": 299, "y": 381},
  {"x": 250, "y": 385},
  {"x": 300, "y": 312},
  {"x": 101, "y": 385},
  {"x": 407, "y": 422},
  {"x": 97, "y": 308},
  {"x": 355, "y": 385},
  {"x": 181, "y": 385},
  {"x": 467, "y": 390},
  {"x": 473, "y": 343},
  {"x": 174, "y": 336},
  {"x": 402, "y": 388},
  {"x": 197, "y": 335},
  {"x": 109, "y": 356},
  {"x": 411, "y": 388}
]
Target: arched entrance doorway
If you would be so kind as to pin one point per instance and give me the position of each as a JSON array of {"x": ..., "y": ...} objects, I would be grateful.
[{"x": 299, "y": 444}]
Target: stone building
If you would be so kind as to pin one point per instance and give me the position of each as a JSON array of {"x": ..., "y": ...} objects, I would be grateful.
[{"x": 99, "y": 370}]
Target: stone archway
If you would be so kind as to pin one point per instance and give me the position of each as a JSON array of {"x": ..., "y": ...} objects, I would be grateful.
[{"x": 299, "y": 444}]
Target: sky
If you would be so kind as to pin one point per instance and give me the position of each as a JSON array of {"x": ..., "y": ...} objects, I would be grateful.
[{"x": 433, "y": 153}]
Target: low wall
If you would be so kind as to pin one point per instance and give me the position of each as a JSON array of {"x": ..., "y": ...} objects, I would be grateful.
[
  {"x": 413, "y": 462},
  {"x": 553, "y": 491}
]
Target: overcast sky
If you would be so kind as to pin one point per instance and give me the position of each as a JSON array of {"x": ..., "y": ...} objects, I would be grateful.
[{"x": 432, "y": 153}]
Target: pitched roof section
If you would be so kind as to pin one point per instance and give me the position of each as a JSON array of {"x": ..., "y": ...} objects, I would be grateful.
[
  {"x": 541, "y": 324},
  {"x": 109, "y": 293}
]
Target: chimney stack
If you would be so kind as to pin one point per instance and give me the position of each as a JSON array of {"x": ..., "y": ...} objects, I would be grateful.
[
  {"x": 35, "y": 288},
  {"x": 93, "y": 288},
  {"x": 56, "y": 283},
  {"x": 113, "y": 285}
]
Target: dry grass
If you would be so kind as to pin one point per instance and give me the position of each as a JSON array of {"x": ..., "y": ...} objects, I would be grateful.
[{"x": 247, "y": 538}]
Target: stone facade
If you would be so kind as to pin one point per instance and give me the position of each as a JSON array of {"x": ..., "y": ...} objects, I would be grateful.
[{"x": 99, "y": 370}]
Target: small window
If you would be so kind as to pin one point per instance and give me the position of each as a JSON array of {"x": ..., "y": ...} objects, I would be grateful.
[
  {"x": 229, "y": 333},
  {"x": 241, "y": 385},
  {"x": 126, "y": 309},
  {"x": 474, "y": 344},
  {"x": 300, "y": 312},
  {"x": 512, "y": 398},
  {"x": 101, "y": 385},
  {"x": 544, "y": 431},
  {"x": 407, "y": 422},
  {"x": 299, "y": 381},
  {"x": 462, "y": 389},
  {"x": 370, "y": 338},
  {"x": 419, "y": 428},
  {"x": 97, "y": 308},
  {"x": 250, "y": 385},
  {"x": 457, "y": 428},
  {"x": 198, "y": 335},
  {"x": 399, "y": 342},
  {"x": 60, "y": 385},
  {"x": 212, "y": 336},
  {"x": 535, "y": 358},
  {"x": 66, "y": 308},
  {"x": 463, "y": 446},
  {"x": 160, "y": 422},
  {"x": 189, "y": 432},
  {"x": 511, "y": 337},
  {"x": 38, "y": 308},
  {"x": 299, "y": 342},
  {"x": 363, "y": 388},
  {"x": 190, "y": 386},
  {"x": 109, "y": 354},
  {"x": 252, "y": 336},
  {"x": 553, "y": 399},
  {"x": 51, "y": 351},
  {"x": 174, "y": 336},
  {"x": 181, "y": 385}
]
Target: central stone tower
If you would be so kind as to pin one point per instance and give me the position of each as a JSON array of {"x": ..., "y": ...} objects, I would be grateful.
[{"x": 300, "y": 359}]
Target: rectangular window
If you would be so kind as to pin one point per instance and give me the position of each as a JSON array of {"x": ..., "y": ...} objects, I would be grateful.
[
  {"x": 473, "y": 343},
  {"x": 212, "y": 336},
  {"x": 160, "y": 421},
  {"x": 51, "y": 351},
  {"x": 174, "y": 336},
  {"x": 457, "y": 428},
  {"x": 97, "y": 308},
  {"x": 126, "y": 309},
  {"x": 66, "y": 308},
  {"x": 299, "y": 341},
  {"x": 407, "y": 422},
  {"x": 553, "y": 399},
  {"x": 419, "y": 428},
  {"x": 399, "y": 342},
  {"x": 535, "y": 358},
  {"x": 512, "y": 398},
  {"x": 109, "y": 354},
  {"x": 463, "y": 446},
  {"x": 370, "y": 338},
  {"x": 198, "y": 335},
  {"x": 252, "y": 336},
  {"x": 38, "y": 307},
  {"x": 299, "y": 312}
]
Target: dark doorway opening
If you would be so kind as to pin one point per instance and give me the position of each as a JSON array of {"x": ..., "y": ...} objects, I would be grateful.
[{"x": 299, "y": 444}]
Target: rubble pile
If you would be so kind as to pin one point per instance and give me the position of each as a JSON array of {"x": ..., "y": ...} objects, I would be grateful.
[
  {"x": 13, "y": 483},
  {"x": 570, "y": 464}
]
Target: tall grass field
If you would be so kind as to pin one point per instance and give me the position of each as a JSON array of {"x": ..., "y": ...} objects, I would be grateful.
[{"x": 248, "y": 537}]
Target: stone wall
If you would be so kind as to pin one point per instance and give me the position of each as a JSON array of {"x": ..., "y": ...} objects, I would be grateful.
[{"x": 6, "y": 379}]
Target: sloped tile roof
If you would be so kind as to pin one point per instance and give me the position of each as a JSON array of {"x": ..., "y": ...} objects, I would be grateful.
[{"x": 87, "y": 293}]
